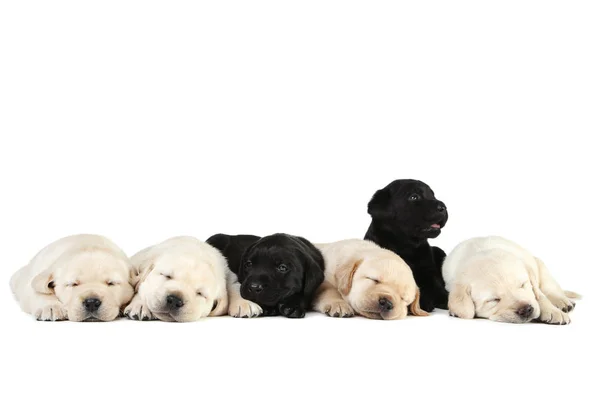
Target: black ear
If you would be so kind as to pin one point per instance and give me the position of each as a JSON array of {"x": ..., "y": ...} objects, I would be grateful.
[
  {"x": 379, "y": 206},
  {"x": 314, "y": 269}
]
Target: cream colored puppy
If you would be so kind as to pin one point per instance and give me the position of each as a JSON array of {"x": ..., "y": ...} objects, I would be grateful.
[
  {"x": 181, "y": 279},
  {"x": 494, "y": 278},
  {"x": 80, "y": 278},
  {"x": 364, "y": 278}
]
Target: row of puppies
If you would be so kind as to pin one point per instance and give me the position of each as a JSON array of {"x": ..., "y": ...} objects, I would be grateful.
[{"x": 87, "y": 277}]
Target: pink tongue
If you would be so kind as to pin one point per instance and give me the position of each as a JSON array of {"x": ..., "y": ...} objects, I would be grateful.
[{"x": 436, "y": 226}]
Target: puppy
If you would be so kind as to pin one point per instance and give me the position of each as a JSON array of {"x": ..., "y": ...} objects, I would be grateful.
[
  {"x": 405, "y": 214},
  {"x": 362, "y": 277},
  {"x": 179, "y": 280},
  {"x": 280, "y": 273},
  {"x": 233, "y": 247},
  {"x": 494, "y": 278},
  {"x": 80, "y": 278}
]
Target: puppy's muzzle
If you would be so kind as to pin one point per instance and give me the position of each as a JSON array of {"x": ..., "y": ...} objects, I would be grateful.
[
  {"x": 525, "y": 312},
  {"x": 92, "y": 304},
  {"x": 174, "y": 303}
]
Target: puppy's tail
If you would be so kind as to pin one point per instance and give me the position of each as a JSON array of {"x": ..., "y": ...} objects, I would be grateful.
[{"x": 572, "y": 295}]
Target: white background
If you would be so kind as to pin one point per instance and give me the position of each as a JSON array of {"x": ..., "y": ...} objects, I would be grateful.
[{"x": 141, "y": 120}]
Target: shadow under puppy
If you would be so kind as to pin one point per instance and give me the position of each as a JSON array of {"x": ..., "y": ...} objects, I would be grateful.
[
  {"x": 276, "y": 275},
  {"x": 362, "y": 277},
  {"x": 80, "y": 278},
  {"x": 179, "y": 280},
  {"x": 405, "y": 214},
  {"x": 494, "y": 278}
]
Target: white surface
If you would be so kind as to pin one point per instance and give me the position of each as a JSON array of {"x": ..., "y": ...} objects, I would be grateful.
[{"x": 142, "y": 121}]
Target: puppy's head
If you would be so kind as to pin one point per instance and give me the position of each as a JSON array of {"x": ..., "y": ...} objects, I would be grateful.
[
  {"x": 379, "y": 288},
  {"x": 501, "y": 292},
  {"x": 182, "y": 288},
  {"x": 92, "y": 284},
  {"x": 279, "y": 266},
  {"x": 409, "y": 206}
]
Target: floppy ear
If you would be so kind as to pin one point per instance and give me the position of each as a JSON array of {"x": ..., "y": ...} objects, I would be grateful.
[
  {"x": 415, "y": 308},
  {"x": 314, "y": 274},
  {"x": 344, "y": 276},
  {"x": 143, "y": 264},
  {"x": 535, "y": 284},
  {"x": 460, "y": 302},
  {"x": 379, "y": 206},
  {"x": 220, "y": 306},
  {"x": 43, "y": 283}
]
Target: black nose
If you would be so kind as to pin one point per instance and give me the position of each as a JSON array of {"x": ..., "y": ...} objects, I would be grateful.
[
  {"x": 92, "y": 304},
  {"x": 256, "y": 287},
  {"x": 441, "y": 207},
  {"x": 525, "y": 311},
  {"x": 385, "y": 304},
  {"x": 174, "y": 302}
]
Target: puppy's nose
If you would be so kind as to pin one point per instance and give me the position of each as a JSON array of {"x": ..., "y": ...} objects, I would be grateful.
[
  {"x": 385, "y": 305},
  {"x": 525, "y": 311},
  {"x": 174, "y": 302},
  {"x": 92, "y": 304},
  {"x": 256, "y": 287},
  {"x": 441, "y": 207}
]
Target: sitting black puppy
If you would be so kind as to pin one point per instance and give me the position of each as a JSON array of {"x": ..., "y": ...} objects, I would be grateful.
[
  {"x": 404, "y": 215},
  {"x": 280, "y": 273}
]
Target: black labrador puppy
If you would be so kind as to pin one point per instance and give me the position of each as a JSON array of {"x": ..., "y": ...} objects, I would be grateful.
[
  {"x": 405, "y": 214},
  {"x": 280, "y": 272}
]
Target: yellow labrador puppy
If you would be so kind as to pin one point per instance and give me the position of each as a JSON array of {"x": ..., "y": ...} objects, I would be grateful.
[
  {"x": 181, "y": 279},
  {"x": 80, "y": 277},
  {"x": 364, "y": 278},
  {"x": 494, "y": 278}
]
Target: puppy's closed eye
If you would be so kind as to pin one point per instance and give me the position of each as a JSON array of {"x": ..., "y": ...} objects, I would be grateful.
[
  {"x": 493, "y": 301},
  {"x": 374, "y": 280},
  {"x": 167, "y": 276}
]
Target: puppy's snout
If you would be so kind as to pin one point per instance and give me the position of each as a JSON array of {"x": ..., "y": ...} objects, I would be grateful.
[
  {"x": 385, "y": 305},
  {"x": 174, "y": 302},
  {"x": 257, "y": 287},
  {"x": 92, "y": 304},
  {"x": 441, "y": 207},
  {"x": 525, "y": 312}
]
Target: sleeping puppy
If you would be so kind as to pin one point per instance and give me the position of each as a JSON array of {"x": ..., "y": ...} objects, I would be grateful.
[
  {"x": 362, "y": 277},
  {"x": 280, "y": 273},
  {"x": 494, "y": 278},
  {"x": 179, "y": 280},
  {"x": 405, "y": 214},
  {"x": 233, "y": 247},
  {"x": 80, "y": 278}
]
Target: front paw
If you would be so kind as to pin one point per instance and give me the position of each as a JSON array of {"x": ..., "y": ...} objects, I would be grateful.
[
  {"x": 562, "y": 303},
  {"x": 427, "y": 303},
  {"x": 554, "y": 316},
  {"x": 138, "y": 311},
  {"x": 243, "y": 308},
  {"x": 291, "y": 311},
  {"x": 336, "y": 308},
  {"x": 51, "y": 312}
]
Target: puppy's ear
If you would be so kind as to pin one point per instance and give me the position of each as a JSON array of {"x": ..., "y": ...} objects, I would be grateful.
[
  {"x": 43, "y": 283},
  {"x": 143, "y": 264},
  {"x": 460, "y": 302},
  {"x": 344, "y": 276},
  {"x": 379, "y": 206},
  {"x": 314, "y": 273},
  {"x": 220, "y": 306},
  {"x": 535, "y": 284},
  {"x": 415, "y": 308}
]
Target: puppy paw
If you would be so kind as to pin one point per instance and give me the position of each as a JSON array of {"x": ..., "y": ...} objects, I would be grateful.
[
  {"x": 337, "y": 308},
  {"x": 291, "y": 311},
  {"x": 270, "y": 312},
  {"x": 138, "y": 311},
  {"x": 51, "y": 312},
  {"x": 427, "y": 304},
  {"x": 562, "y": 303},
  {"x": 554, "y": 316},
  {"x": 244, "y": 309}
]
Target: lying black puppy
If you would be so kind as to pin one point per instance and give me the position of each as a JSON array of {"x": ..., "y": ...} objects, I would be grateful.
[
  {"x": 405, "y": 214},
  {"x": 280, "y": 273}
]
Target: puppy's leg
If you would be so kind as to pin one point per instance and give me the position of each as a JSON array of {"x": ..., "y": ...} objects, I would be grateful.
[
  {"x": 238, "y": 306},
  {"x": 47, "y": 308},
  {"x": 549, "y": 314},
  {"x": 293, "y": 307},
  {"x": 552, "y": 289},
  {"x": 138, "y": 309},
  {"x": 329, "y": 301}
]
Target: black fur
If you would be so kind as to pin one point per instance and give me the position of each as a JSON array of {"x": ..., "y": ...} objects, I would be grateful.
[
  {"x": 287, "y": 270},
  {"x": 405, "y": 214}
]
